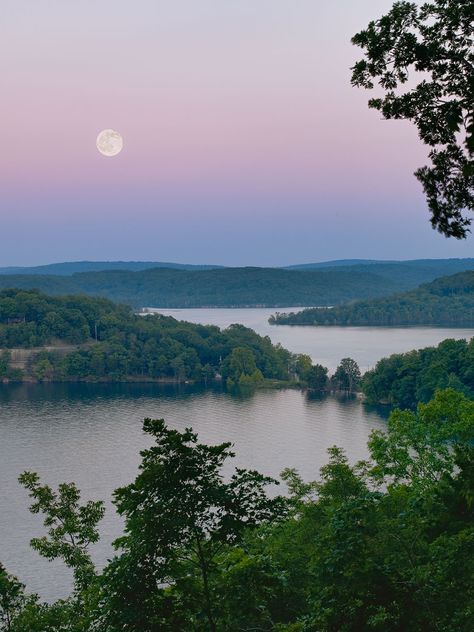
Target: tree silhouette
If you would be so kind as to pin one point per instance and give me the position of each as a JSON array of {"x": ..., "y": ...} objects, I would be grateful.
[{"x": 435, "y": 43}]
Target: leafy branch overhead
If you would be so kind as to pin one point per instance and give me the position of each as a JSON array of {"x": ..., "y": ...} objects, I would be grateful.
[{"x": 434, "y": 45}]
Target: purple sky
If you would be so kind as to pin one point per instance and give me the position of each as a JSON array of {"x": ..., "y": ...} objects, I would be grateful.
[{"x": 244, "y": 143}]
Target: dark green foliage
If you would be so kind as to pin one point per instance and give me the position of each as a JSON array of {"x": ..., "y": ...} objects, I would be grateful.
[
  {"x": 12, "y": 599},
  {"x": 317, "y": 378},
  {"x": 5, "y": 357},
  {"x": 347, "y": 376},
  {"x": 448, "y": 301},
  {"x": 407, "y": 378},
  {"x": 431, "y": 43},
  {"x": 29, "y": 318},
  {"x": 313, "y": 377},
  {"x": 385, "y": 545},
  {"x": 115, "y": 344},
  {"x": 240, "y": 368},
  {"x": 180, "y": 516},
  {"x": 72, "y": 527}
]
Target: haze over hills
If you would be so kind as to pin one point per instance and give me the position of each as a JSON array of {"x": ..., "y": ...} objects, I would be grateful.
[
  {"x": 223, "y": 287},
  {"x": 162, "y": 286},
  {"x": 71, "y": 267},
  {"x": 410, "y": 273},
  {"x": 424, "y": 263},
  {"x": 448, "y": 301},
  {"x": 439, "y": 267},
  {"x": 337, "y": 263}
]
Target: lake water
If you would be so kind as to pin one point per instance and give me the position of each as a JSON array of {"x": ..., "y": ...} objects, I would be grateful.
[{"x": 91, "y": 434}]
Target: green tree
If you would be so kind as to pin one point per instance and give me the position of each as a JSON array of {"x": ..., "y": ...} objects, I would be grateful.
[
  {"x": 408, "y": 378},
  {"x": 180, "y": 515},
  {"x": 43, "y": 369},
  {"x": 241, "y": 361},
  {"x": 72, "y": 527},
  {"x": 422, "y": 447},
  {"x": 434, "y": 43},
  {"x": 5, "y": 358},
  {"x": 302, "y": 366},
  {"x": 347, "y": 376},
  {"x": 208, "y": 373},
  {"x": 317, "y": 378},
  {"x": 12, "y": 599},
  {"x": 386, "y": 544}
]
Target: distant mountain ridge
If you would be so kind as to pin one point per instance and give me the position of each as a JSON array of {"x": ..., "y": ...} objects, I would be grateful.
[
  {"x": 181, "y": 286},
  {"x": 68, "y": 268},
  {"x": 337, "y": 263},
  {"x": 221, "y": 287}
]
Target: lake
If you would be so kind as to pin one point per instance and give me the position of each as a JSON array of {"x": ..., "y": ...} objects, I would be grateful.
[{"x": 91, "y": 433}]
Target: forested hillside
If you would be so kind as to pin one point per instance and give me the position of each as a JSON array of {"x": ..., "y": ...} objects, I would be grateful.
[
  {"x": 144, "y": 284},
  {"x": 115, "y": 344},
  {"x": 408, "y": 378},
  {"x": 225, "y": 287},
  {"x": 447, "y": 301}
]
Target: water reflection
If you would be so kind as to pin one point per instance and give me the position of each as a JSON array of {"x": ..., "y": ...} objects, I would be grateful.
[{"x": 92, "y": 434}]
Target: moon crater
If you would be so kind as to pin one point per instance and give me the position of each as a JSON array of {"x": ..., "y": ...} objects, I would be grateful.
[{"x": 109, "y": 142}]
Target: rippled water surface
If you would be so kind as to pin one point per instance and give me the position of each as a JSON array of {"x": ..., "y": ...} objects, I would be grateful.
[{"x": 92, "y": 434}]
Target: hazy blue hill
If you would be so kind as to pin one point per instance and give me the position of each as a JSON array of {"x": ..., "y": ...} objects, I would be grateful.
[
  {"x": 456, "y": 264},
  {"x": 71, "y": 267},
  {"x": 412, "y": 272},
  {"x": 336, "y": 263},
  {"x": 232, "y": 287},
  {"x": 409, "y": 274},
  {"x": 447, "y": 301},
  {"x": 224, "y": 287}
]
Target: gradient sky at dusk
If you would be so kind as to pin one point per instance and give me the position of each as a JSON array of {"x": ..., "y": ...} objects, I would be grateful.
[{"x": 244, "y": 143}]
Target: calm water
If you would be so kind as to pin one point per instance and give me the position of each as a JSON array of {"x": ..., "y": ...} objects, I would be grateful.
[{"x": 91, "y": 434}]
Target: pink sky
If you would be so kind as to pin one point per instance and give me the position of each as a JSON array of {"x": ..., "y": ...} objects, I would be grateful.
[{"x": 244, "y": 142}]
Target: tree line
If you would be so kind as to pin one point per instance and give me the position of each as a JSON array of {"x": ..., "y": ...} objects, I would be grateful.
[
  {"x": 220, "y": 287},
  {"x": 112, "y": 343},
  {"x": 448, "y": 301}
]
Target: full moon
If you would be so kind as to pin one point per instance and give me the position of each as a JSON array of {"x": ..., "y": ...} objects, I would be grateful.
[{"x": 109, "y": 142}]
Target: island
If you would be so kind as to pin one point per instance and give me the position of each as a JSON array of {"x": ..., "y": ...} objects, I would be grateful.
[{"x": 448, "y": 301}]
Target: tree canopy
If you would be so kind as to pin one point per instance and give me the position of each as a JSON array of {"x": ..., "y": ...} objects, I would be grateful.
[
  {"x": 408, "y": 378},
  {"x": 109, "y": 342},
  {"x": 386, "y": 544},
  {"x": 422, "y": 58}
]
